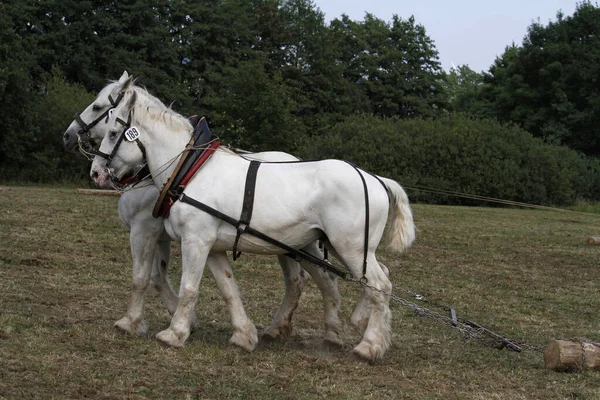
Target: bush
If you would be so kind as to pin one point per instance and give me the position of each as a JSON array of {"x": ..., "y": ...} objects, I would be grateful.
[
  {"x": 461, "y": 154},
  {"x": 37, "y": 153}
]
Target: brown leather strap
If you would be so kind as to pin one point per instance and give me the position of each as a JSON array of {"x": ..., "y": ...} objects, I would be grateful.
[{"x": 157, "y": 211}]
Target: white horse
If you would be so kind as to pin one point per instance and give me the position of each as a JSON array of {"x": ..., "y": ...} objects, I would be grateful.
[
  {"x": 150, "y": 245},
  {"x": 295, "y": 203}
]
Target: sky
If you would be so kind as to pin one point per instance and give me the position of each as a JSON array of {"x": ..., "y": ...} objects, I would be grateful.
[{"x": 471, "y": 32}]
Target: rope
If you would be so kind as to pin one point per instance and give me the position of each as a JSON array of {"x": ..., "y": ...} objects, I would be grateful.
[{"x": 494, "y": 200}]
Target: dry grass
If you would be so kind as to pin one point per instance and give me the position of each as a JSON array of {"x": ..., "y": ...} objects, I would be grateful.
[{"x": 65, "y": 268}]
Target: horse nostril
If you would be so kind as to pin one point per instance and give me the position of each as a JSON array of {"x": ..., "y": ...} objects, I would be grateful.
[
  {"x": 94, "y": 175},
  {"x": 69, "y": 141}
]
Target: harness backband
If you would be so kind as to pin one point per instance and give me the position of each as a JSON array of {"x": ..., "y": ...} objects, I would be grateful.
[{"x": 247, "y": 205}]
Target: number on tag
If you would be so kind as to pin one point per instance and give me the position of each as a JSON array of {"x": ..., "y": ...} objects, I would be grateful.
[{"x": 132, "y": 133}]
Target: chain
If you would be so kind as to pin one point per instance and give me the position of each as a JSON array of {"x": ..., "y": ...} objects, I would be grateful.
[
  {"x": 582, "y": 341},
  {"x": 468, "y": 329}
]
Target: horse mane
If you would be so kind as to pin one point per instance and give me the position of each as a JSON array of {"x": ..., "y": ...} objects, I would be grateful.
[
  {"x": 165, "y": 116},
  {"x": 141, "y": 91}
]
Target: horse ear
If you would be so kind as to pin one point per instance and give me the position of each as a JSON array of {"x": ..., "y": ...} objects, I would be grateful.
[
  {"x": 123, "y": 77},
  {"x": 127, "y": 83},
  {"x": 131, "y": 101}
]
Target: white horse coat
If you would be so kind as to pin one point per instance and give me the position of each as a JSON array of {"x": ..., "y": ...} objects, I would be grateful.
[
  {"x": 150, "y": 245},
  {"x": 295, "y": 203}
]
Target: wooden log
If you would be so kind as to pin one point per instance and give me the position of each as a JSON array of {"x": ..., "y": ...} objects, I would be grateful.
[
  {"x": 98, "y": 192},
  {"x": 564, "y": 355},
  {"x": 593, "y": 240}
]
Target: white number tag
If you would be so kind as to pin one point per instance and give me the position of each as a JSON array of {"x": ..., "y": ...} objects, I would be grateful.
[{"x": 132, "y": 133}]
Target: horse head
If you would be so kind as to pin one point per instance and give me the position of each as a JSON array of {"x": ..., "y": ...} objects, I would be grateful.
[
  {"x": 120, "y": 149},
  {"x": 82, "y": 130}
]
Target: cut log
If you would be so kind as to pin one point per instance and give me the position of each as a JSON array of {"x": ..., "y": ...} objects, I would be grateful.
[
  {"x": 593, "y": 240},
  {"x": 98, "y": 192},
  {"x": 564, "y": 355}
]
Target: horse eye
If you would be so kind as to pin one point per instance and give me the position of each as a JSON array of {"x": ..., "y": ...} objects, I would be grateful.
[
  {"x": 96, "y": 107},
  {"x": 112, "y": 134}
]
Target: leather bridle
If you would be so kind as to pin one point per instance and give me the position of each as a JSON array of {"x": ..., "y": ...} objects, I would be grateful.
[
  {"x": 83, "y": 135},
  {"x": 128, "y": 133}
]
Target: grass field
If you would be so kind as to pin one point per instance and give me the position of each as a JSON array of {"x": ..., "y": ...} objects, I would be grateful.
[{"x": 65, "y": 264}]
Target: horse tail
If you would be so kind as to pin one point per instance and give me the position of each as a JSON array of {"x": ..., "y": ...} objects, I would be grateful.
[{"x": 401, "y": 232}]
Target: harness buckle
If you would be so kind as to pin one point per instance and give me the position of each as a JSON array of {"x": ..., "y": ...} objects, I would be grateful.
[{"x": 241, "y": 228}]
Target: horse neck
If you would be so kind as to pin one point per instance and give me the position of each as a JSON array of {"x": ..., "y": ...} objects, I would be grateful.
[
  {"x": 164, "y": 145},
  {"x": 144, "y": 98}
]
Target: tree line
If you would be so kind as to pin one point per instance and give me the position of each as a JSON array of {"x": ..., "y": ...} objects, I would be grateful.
[{"x": 273, "y": 74}]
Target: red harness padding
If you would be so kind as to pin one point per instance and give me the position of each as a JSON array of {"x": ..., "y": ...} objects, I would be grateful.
[
  {"x": 203, "y": 158},
  {"x": 169, "y": 198}
]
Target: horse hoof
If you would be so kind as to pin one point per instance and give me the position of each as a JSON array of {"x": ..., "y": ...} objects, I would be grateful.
[
  {"x": 136, "y": 329},
  {"x": 169, "y": 338},
  {"x": 247, "y": 339},
  {"x": 277, "y": 332},
  {"x": 368, "y": 352}
]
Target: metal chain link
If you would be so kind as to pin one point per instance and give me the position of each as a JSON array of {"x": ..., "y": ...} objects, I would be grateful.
[{"x": 468, "y": 329}]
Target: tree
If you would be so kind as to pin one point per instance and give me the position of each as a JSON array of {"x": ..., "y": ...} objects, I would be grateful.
[
  {"x": 395, "y": 65},
  {"x": 463, "y": 87},
  {"x": 17, "y": 93},
  {"x": 549, "y": 85}
]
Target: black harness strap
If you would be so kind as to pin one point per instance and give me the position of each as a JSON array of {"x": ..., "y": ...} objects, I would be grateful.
[
  {"x": 85, "y": 128},
  {"x": 366, "y": 243},
  {"x": 126, "y": 126},
  {"x": 294, "y": 253},
  {"x": 247, "y": 206}
]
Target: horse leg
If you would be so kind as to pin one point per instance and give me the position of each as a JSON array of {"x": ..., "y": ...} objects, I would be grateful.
[
  {"x": 295, "y": 280},
  {"x": 332, "y": 301},
  {"x": 195, "y": 251},
  {"x": 362, "y": 310},
  {"x": 244, "y": 331},
  {"x": 372, "y": 315},
  {"x": 160, "y": 277},
  {"x": 143, "y": 245}
]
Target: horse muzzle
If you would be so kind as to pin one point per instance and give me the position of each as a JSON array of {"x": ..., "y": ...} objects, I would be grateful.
[
  {"x": 70, "y": 140},
  {"x": 101, "y": 176}
]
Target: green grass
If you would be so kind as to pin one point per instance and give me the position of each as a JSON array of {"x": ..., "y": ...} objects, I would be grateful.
[
  {"x": 586, "y": 206},
  {"x": 65, "y": 266}
]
